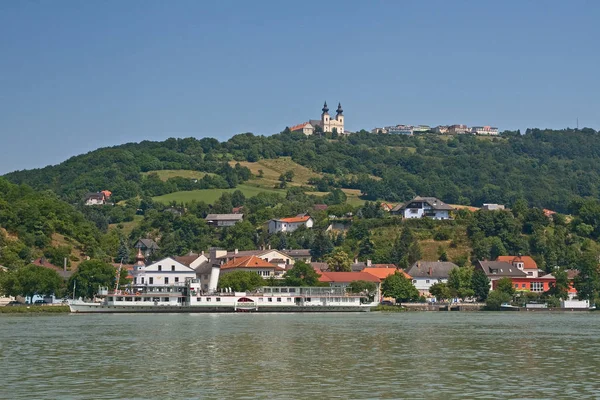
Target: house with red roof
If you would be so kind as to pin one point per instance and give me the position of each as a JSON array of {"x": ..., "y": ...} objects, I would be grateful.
[
  {"x": 524, "y": 263},
  {"x": 255, "y": 264},
  {"x": 290, "y": 224}
]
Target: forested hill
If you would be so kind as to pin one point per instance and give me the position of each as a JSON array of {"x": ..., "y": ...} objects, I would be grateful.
[
  {"x": 35, "y": 224},
  {"x": 547, "y": 168}
]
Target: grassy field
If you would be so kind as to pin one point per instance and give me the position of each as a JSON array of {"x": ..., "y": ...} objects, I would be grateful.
[
  {"x": 128, "y": 226},
  {"x": 273, "y": 168},
  {"x": 211, "y": 195},
  {"x": 172, "y": 173},
  {"x": 353, "y": 197}
]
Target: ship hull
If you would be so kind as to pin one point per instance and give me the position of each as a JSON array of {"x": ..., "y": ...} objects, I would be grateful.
[{"x": 106, "y": 309}]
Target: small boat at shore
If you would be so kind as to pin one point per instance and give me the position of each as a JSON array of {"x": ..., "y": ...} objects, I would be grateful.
[{"x": 188, "y": 298}]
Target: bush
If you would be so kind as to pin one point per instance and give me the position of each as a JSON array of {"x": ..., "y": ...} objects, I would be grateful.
[{"x": 495, "y": 299}]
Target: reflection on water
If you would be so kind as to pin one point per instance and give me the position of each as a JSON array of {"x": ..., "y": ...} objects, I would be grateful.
[{"x": 367, "y": 355}]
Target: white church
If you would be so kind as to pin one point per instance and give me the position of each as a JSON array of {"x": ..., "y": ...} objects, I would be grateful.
[{"x": 326, "y": 123}]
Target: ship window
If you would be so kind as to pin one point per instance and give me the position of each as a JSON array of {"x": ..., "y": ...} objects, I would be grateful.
[
  {"x": 279, "y": 299},
  {"x": 270, "y": 299},
  {"x": 208, "y": 299},
  {"x": 308, "y": 299},
  {"x": 110, "y": 298},
  {"x": 218, "y": 299},
  {"x": 289, "y": 299},
  {"x": 292, "y": 290},
  {"x": 198, "y": 299},
  {"x": 165, "y": 299},
  {"x": 138, "y": 299}
]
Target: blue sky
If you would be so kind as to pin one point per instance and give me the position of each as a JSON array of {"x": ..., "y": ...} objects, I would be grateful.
[{"x": 78, "y": 75}]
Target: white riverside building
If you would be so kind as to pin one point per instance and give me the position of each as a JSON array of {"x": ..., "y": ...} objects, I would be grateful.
[{"x": 164, "y": 272}]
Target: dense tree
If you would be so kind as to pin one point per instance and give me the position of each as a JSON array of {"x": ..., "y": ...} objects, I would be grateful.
[
  {"x": 302, "y": 274},
  {"x": 399, "y": 287},
  {"x": 496, "y": 298},
  {"x": 339, "y": 261},
  {"x": 31, "y": 280},
  {"x": 440, "y": 291},
  {"x": 480, "y": 284},
  {"x": 460, "y": 282},
  {"x": 241, "y": 281},
  {"x": 92, "y": 275},
  {"x": 586, "y": 282},
  {"x": 321, "y": 246},
  {"x": 505, "y": 285}
]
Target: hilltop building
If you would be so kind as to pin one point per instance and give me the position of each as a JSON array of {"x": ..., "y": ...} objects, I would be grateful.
[{"x": 325, "y": 124}]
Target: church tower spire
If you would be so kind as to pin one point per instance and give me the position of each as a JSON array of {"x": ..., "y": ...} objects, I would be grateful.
[
  {"x": 339, "y": 109},
  {"x": 325, "y": 109}
]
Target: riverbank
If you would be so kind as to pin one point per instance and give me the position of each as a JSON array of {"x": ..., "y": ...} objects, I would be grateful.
[
  {"x": 34, "y": 309},
  {"x": 388, "y": 308}
]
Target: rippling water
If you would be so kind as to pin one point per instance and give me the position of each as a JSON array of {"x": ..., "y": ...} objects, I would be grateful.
[{"x": 278, "y": 356}]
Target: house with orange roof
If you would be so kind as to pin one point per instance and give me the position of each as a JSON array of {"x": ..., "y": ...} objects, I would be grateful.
[
  {"x": 524, "y": 263},
  {"x": 304, "y": 127},
  {"x": 290, "y": 224},
  {"x": 255, "y": 264},
  {"x": 387, "y": 207},
  {"x": 383, "y": 273}
]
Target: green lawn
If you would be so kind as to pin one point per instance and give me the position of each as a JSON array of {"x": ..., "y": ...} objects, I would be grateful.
[{"x": 211, "y": 195}]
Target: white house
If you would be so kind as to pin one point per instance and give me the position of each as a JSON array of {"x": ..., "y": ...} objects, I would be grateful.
[
  {"x": 420, "y": 207},
  {"x": 164, "y": 272},
  {"x": 94, "y": 199},
  {"x": 426, "y": 273},
  {"x": 484, "y": 130},
  {"x": 290, "y": 224}
]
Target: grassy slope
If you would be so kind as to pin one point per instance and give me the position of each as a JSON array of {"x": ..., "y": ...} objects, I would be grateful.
[
  {"x": 128, "y": 226},
  {"x": 211, "y": 195},
  {"x": 273, "y": 168}
]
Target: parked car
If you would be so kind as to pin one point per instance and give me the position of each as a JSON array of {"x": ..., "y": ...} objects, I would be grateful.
[
  {"x": 40, "y": 302},
  {"x": 386, "y": 303}
]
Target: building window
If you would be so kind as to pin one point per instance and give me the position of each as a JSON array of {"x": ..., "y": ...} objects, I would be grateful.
[
  {"x": 172, "y": 268},
  {"x": 134, "y": 281},
  {"x": 176, "y": 279},
  {"x": 414, "y": 281},
  {"x": 205, "y": 276},
  {"x": 166, "y": 281},
  {"x": 523, "y": 286},
  {"x": 142, "y": 280},
  {"x": 160, "y": 267},
  {"x": 516, "y": 285},
  {"x": 427, "y": 281},
  {"x": 151, "y": 280},
  {"x": 537, "y": 286}
]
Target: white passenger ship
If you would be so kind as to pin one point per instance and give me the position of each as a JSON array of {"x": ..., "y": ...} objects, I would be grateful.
[{"x": 188, "y": 298}]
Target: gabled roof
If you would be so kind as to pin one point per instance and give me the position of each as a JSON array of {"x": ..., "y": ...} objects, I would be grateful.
[
  {"x": 435, "y": 203},
  {"x": 296, "y": 219},
  {"x": 187, "y": 259},
  {"x": 500, "y": 268},
  {"x": 347, "y": 277},
  {"x": 383, "y": 273},
  {"x": 300, "y": 126},
  {"x": 529, "y": 263},
  {"x": 297, "y": 252},
  {"x": 147, "y": 243},
  {"x": 319, "y": 266},
  {"x": 42, "y": 262},
  {"x": 249, "y": 262},
  {"x": 431, "y": 269},
  {"x": 167, "y": 261},
  {"x": 97, "y": 196},
  {"x": 224, "y": 217}
]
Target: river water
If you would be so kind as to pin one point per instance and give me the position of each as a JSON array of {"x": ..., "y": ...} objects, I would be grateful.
[{"x": 309, "y": 356}]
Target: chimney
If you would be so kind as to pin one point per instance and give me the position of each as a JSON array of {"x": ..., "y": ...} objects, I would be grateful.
[
  {"x": 269, "y": 246},
  {"x": 202, "y": 252},
  {"x": 369, "y": 263},
  {"x": 235, "y": 251},
  {"x": 430, "y": 272},
  {"x": 356, "y": 261}
]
